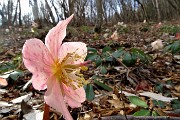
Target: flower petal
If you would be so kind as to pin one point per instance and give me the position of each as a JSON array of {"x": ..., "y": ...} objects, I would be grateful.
[
  {"x": 73, "y": 47},
  {"x": 54, "y": 98},
  {"x": 55, "y": 37},
  {"x": 39, "y": 80},
  {"x": 37, "y": 60},
  {"x": 74, "y": 98}
]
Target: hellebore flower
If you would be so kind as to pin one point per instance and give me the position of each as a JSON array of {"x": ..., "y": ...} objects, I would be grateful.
[{"x": 57, "y": 66}]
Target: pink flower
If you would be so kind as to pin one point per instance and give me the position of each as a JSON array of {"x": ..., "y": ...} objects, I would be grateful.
[{"x": 57, "y": 66}]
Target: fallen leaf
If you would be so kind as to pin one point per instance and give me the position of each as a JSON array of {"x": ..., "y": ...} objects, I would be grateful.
[
  {"x": 25, "y": 108},
  {"x": 177, "y": 36},
  {"x": 3, "y": 82},
  {"x": 157, "y": 96},
  {"x": 157, "y": 45},
  {"x": 5, "y": 104},
  {"x": 116, "y": 103},
  {"x": 34, "y": 115},
  {"x": 114, "y": 36},
  {"x": 20, "y": 99}
]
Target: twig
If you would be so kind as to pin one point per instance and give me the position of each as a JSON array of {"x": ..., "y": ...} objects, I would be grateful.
[
  {"x": 130, "y": 117},
  {"x": 46, "y": 112},
  {"x": 127, "y": 70}
]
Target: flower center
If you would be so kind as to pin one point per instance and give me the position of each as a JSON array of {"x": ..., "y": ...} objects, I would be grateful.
[{"x": 68, "y": 72}]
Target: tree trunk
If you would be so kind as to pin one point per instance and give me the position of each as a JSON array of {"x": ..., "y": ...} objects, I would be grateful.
[
  {"x": 50, "y": 12},
  {"x": 71, "y": 6},
  {"x": 99, "y": 20},
  {"x": 15, "y": 15},
  {"x": 10, "y": 11},
  {"x": 20, "y": 20},
  {"x": 143, "y": 8},
  {"x": 35, "y": 11},
  {"x": 57, "y": 13},
  {"x": 158, "y": 11}
]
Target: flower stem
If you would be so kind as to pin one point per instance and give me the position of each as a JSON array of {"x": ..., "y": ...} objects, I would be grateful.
[{"x": 46, "y": 112}]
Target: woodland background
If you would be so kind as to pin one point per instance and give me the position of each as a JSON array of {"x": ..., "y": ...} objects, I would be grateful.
[
  {"x": 134, "y": 46},
  {"x": 89, "y": 12}
]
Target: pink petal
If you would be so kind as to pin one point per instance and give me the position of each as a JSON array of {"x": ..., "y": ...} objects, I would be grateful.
[
  {"x": 55, "y": 37},
  {"x": 74, "y": 98},
  {"x": 73, "y": 47},
  {"x": 37, "y": 60},
  {"x": 39, "y": 80},
  {"x": 54, "y": 98}
]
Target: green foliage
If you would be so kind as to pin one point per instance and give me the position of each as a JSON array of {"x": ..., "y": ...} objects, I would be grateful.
[
  {"x": 159, "y": 88},
  {"x": 137, "y": 101},
  {"x": 16, "y": 74},
  {"x": 142, "y": 112},
  {"x": 145, "y": 28},
  {"x": 103, "y": 70},
  {"x": 154, "y": 113},
  {"x": 123, "y": 29},
  {"x": 161, "y": 104},
  {"x": 170, "y": 29},
  {"x": 175, "y": 104},
  {"x": 129, "y": 59},
  {"x": 118, "y": 53},
  {"x": 143, "y": 57},
  {"x": 85, "y": 29},
  {"x": 89, "y": 92},
  {"x": 173, "y": 47},
  {"x": 4, "y": 67},
  {"x": 11, "y": 64},
  {"x": 105, "y": 87}
]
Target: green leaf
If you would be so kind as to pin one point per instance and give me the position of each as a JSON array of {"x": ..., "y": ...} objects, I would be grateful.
[
  {"x": 142, "y": 112},
  {"x": 161, "y": 104},
  {"x": 89, "y": 92},
  {"x": 154, "y": 113},
  {"x": 105, "y": 49},
  {"x": 129, "y": 59},
  {"x": 109, "y": 58},
  {"x": 141, "y": 55},
  {"x": 98, "y": 61},
  {"x": 5, "y": 67},
  {"x": 92, "y": 50},
  {"x": 103, "y": 70},
  {"x": 137, "y": 101},
  {"x": 176, "y": 104},
  {"x": 16, "y": 74},
  {"x": 91, "y": 56},
  {"x": 117, "y": 53},
  {"x": 173, "y": 47},
  {"x": 103, "y": 85}
]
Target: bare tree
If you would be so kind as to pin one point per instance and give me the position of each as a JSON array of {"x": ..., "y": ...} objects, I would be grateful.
[
  {"x": 50, "y": 12},
  {"x": 99, "y": 19},
  {"x": 35, "y": 10}
]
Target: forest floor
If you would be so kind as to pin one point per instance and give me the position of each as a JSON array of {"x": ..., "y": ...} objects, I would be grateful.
[{"x": 128, "y": 76}]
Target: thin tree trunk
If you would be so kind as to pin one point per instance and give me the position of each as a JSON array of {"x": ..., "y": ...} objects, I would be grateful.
[
  {"x": 35, "y": 11},
  {"x": 99, "y": 16},
  {"x": 15, "y": 15},
  {"x": 158, "y": 11},
  {"x": 71, "y": 6},
  {"x": 57, "y": 13},
  {"x": 20, "y": 20},
  {"x": 144, "y": 11},
  {"x": 50, "y": 12}
]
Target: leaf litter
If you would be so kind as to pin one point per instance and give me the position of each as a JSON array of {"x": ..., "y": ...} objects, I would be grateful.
[{"x": 121, "y": 68}]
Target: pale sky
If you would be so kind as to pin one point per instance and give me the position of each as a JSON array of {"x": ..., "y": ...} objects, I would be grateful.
[{"x": 25, "y": 8}]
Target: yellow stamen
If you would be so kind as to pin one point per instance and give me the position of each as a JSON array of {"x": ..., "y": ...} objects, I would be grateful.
[{"x": 69, "y": 73}]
